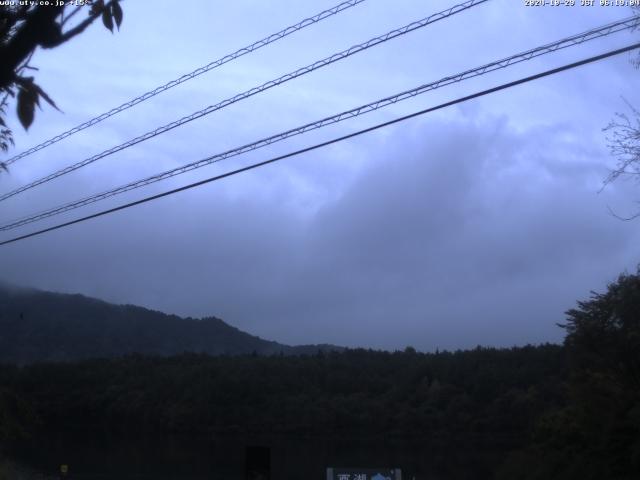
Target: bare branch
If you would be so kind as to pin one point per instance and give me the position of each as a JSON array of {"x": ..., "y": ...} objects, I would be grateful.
[
  {"x": 624, "y": 143},
  {"x": 625, "y": 219}
]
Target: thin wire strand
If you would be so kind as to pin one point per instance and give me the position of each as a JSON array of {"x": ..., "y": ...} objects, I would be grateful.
[
  {"x": 265, "y": 86},
  {"x": 330, "y": 142},
  {"x": 199, "y": 71},
  {"x": 577, "y": 39}
]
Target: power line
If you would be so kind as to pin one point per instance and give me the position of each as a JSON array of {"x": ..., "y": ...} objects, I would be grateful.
[
  {"x": 265, "y": 86},
  {"x": 199, "y": 71},
  {"x": 592, "y": 34},
  {"x": 335, "y": 140}
]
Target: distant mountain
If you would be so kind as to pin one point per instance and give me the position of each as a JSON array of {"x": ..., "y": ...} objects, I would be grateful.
[{"x": 38, "y": 326}]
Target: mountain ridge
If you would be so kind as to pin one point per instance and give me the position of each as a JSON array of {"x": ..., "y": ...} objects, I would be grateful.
[{"x": 43, "y": 326}]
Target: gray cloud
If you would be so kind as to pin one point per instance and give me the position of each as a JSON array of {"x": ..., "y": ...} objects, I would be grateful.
[
  {"x": 476, "y": 225},
  {"x": 456, "y": 233}
]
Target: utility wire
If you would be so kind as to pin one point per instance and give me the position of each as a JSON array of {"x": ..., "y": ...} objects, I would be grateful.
[
  {"x": 199, "y": 71},
  {"x": 595, "y": 33},
  {"x": 265, "y": 86},
  {"x": 504, "y": 86}
]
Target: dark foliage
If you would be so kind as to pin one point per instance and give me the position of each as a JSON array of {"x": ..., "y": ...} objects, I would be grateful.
[
  {"x": 597, "y": 434},
  {"x": 569, "y": 412},
  {"x": 484, "y": 398},
  {"x": 26, "y": 26}
]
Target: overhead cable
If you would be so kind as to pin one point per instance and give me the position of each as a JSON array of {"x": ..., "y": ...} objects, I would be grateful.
[
  {"x": 199, "y": 71},
  {"x": 628, "y": 23},
  {"x": 265, "y": 86},
  {"x": 330, "y": 142}
]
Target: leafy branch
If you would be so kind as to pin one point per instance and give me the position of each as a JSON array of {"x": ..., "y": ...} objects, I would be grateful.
[{"x": 24, "y": 28}]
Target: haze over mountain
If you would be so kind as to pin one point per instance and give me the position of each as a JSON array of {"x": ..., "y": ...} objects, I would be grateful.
[{"x": 44, "y": 326}]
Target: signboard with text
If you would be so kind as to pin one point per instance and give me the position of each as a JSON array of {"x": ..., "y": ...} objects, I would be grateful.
[{"x": 364, "y": 474}]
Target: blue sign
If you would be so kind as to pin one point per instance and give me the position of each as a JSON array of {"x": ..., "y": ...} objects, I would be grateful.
[{"x": 364, "y": 474}]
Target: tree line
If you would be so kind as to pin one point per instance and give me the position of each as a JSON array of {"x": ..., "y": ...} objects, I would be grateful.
[{"x": 546, "y": 411}]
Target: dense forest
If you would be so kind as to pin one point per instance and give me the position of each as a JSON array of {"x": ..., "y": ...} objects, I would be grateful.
[
  {"x": 537, "y": 412},
  {"x": 483, "y": 398}
]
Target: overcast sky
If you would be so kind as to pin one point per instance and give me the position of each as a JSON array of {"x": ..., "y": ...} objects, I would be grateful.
[{"x": 477, "y": 224}]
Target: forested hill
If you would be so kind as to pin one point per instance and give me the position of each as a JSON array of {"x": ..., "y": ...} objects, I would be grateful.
[
  {"x": 529, "y": 413},
  {"x": 43, "y": 326}
]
